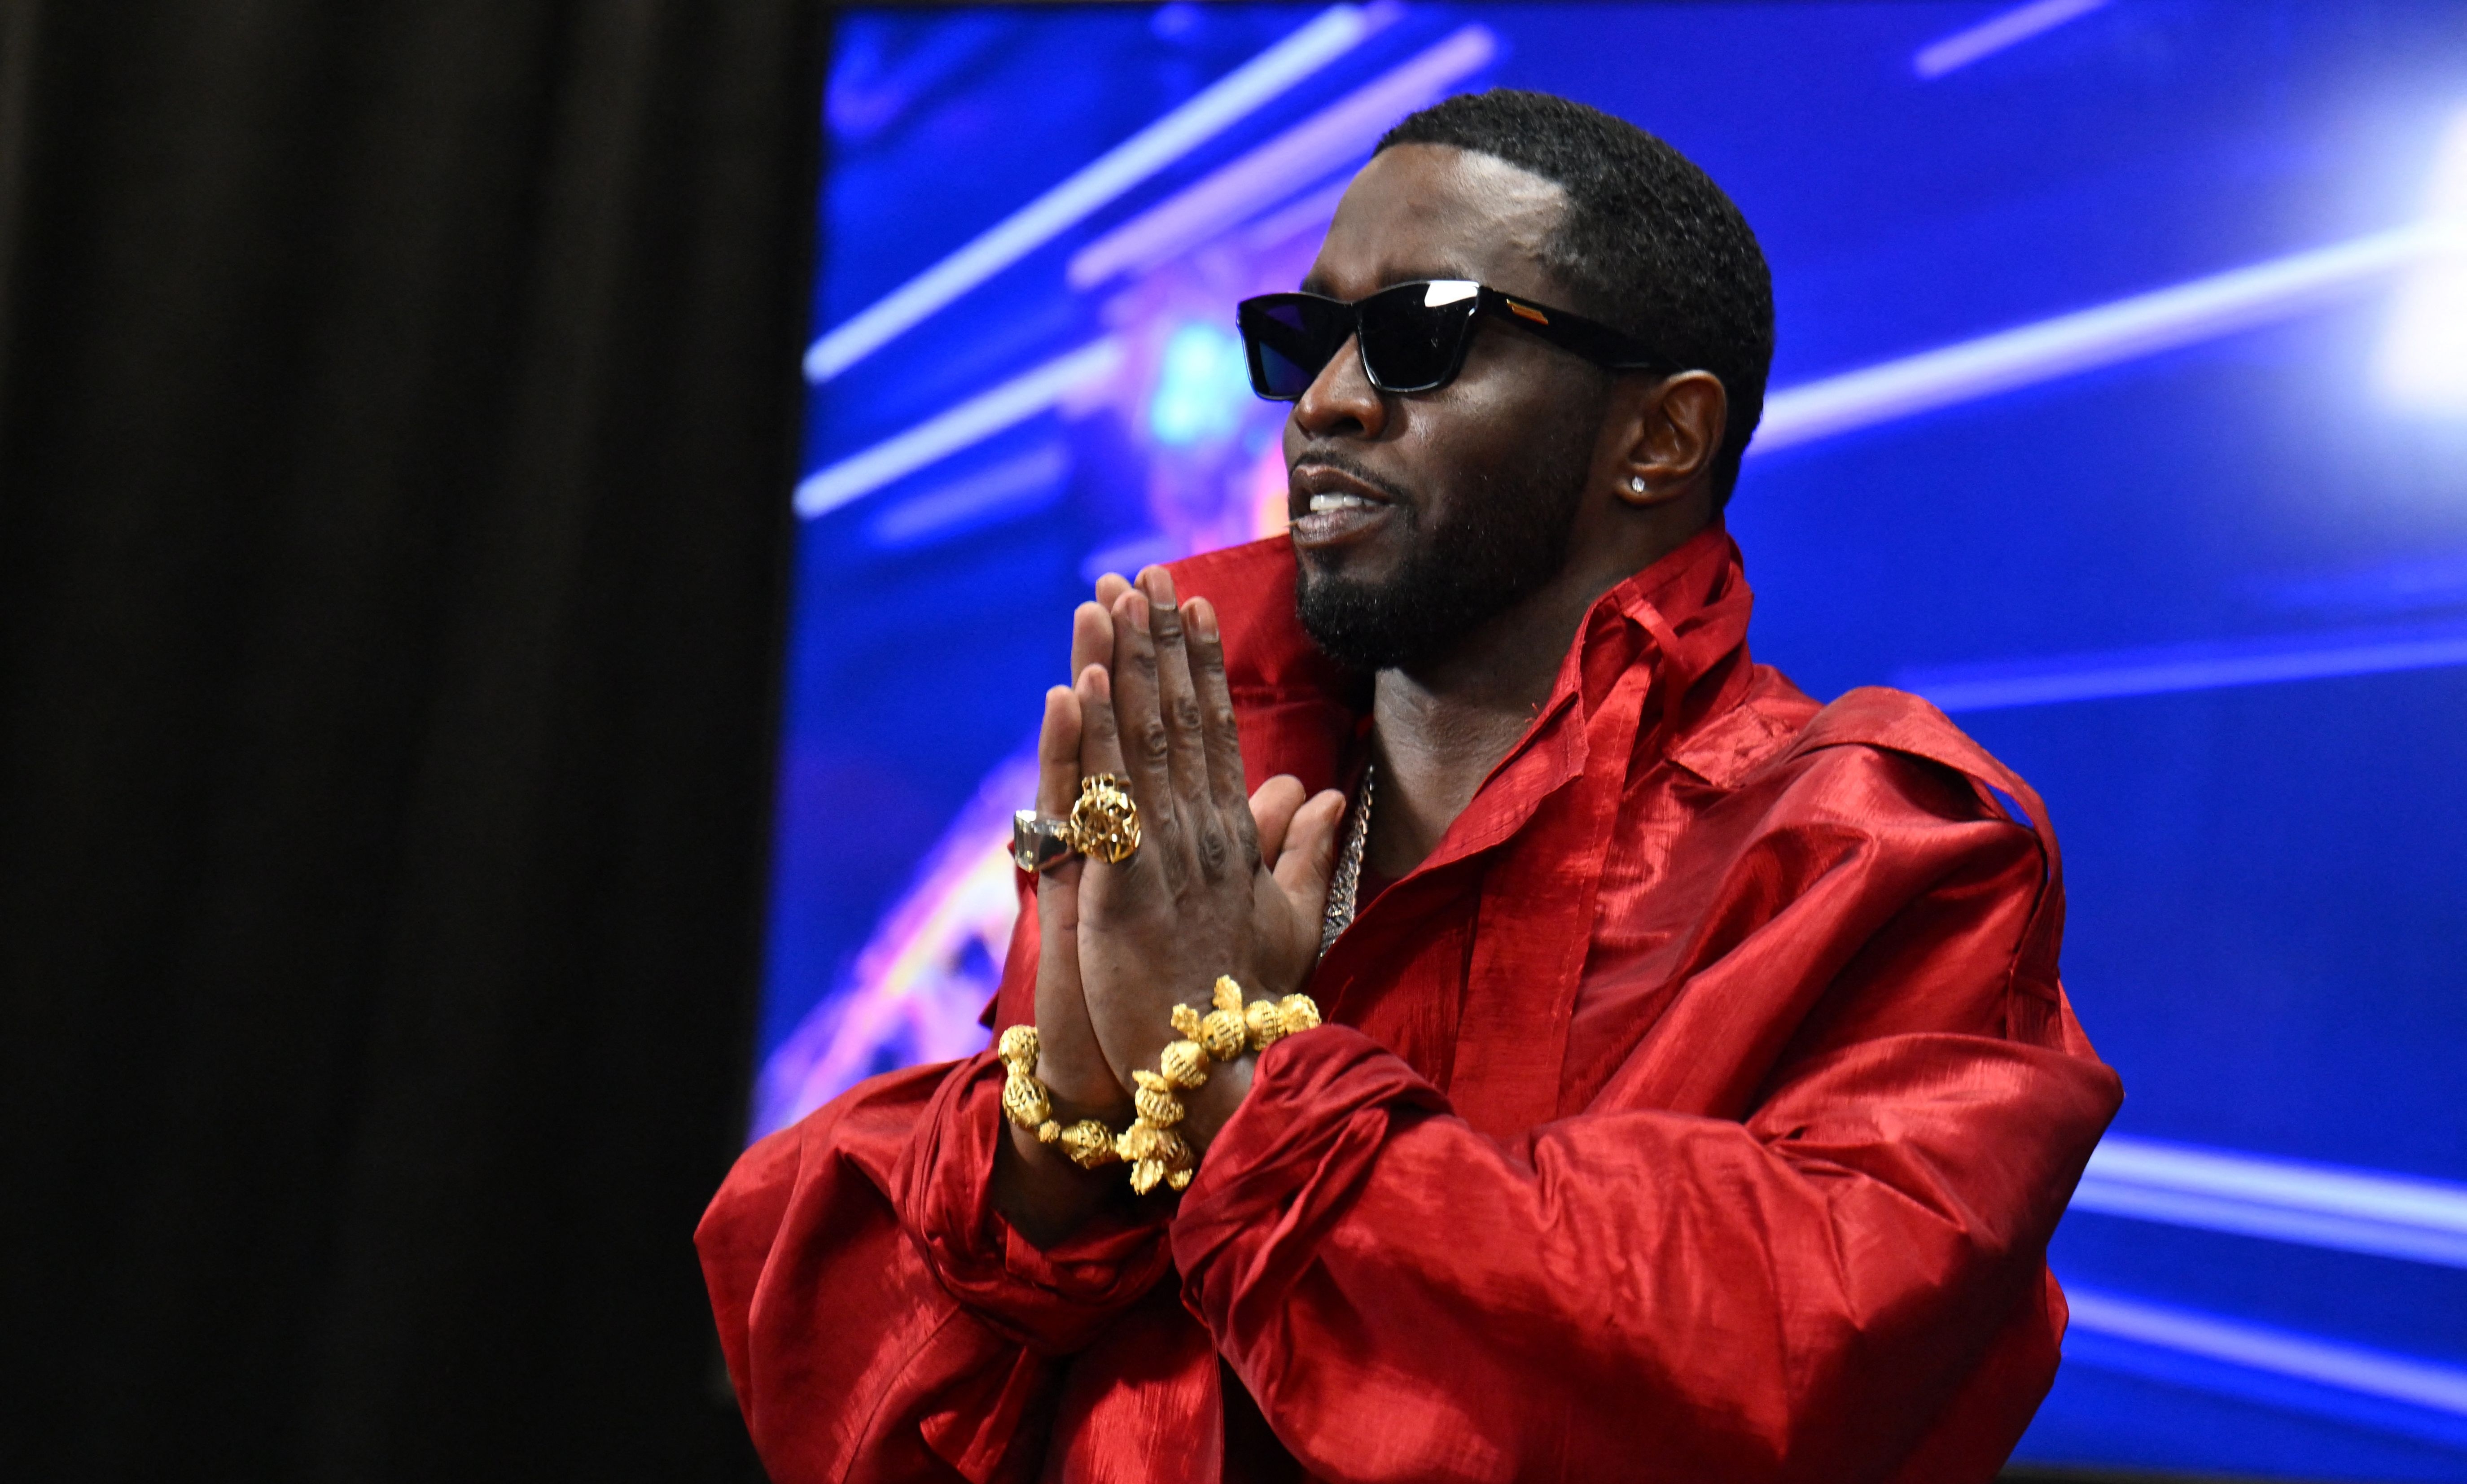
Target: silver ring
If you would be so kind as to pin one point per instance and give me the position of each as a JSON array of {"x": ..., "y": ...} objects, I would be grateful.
[{"x": 1039, "y": 842}]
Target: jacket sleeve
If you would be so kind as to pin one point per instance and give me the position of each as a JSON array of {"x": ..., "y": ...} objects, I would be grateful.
[
  {"x": 880, "y": 1321},
  {"x": 1631, "y": 1293}
]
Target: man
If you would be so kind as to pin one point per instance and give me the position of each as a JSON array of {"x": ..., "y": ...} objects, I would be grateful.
[{"x": 1695, "y": 1096}]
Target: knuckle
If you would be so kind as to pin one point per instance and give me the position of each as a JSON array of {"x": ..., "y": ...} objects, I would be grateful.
[
  {"x": 1187, "y": 713},
  {"x": 1153, "y": 744},
  {"x": 1215, "y": 850}
]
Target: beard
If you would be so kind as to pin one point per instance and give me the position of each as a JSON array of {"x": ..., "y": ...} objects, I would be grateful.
[{"x": 1509, "y": 541}]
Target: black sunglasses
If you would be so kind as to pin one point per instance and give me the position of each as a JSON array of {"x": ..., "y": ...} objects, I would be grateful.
[{"x": 1412, "y": 337}]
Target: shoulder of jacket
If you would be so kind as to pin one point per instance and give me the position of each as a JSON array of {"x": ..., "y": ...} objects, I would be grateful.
[
  {"x": 1878, "y": 719},
  {"x": 1896, "y": 721}
]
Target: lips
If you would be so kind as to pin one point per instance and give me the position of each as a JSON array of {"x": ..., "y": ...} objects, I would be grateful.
[{"x": 1329, "y": 506}]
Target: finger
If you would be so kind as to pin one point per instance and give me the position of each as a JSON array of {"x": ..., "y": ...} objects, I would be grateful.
[
  {"x": 1057, "y": 890},
  {"x": 1220, "y": 732},
  {"x": 1058, "y": 752},
  {"x": 1060, "y": 1011},
  {"x": 1100, "y": 742},
  {"x": 1092, "y": 637},
  {"x": 1074, "y": 1062},
  {"x": 1178, "y": 702},
  {"x": 1303, "y": 867},
  {"x": 1111, "y": 587},
  {"x": 1061, "y": 997},
  {"x": 1138, "y": 728},
  {"x": 1271, "y": 811}
]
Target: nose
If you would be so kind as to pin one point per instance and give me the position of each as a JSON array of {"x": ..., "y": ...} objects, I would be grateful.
[{"x": 1341, "y": 401}]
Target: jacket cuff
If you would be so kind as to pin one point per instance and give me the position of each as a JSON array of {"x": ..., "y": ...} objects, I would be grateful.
[
  {"x": 1055, "y": 1300},
  {"x": 1288, "y": 1162}
]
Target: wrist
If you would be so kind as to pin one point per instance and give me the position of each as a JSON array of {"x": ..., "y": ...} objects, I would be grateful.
[
  {"x": 1075, "y": 1067},
  {"x": 1202, "y": 1076},
  {"x": 1041, "y": 1194},
  {"x": 1051, "y": 1162},
  {"x": 1080, "y": 1096},
  {"x": 1205, "y": 1108}
]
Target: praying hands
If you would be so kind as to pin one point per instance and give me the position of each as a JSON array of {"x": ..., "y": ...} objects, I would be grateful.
[{"x": 1219, "y": 884}]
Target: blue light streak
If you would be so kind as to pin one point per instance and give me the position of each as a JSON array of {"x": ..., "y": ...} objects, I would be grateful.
[
  {"x": 2105, "y": 335},
  {"x": 1337, "y": 136},
  {"x": 1015, "y": 486},
  {"x": 945, "y": 434},
  {"x": 2164, "y": 669},
  {"x": 2008, "y": 28},
  {"x": 1231, "y": 98},
  {"x": 2346, "y": 1367},
  {"x": 2353, "y": 1211}
]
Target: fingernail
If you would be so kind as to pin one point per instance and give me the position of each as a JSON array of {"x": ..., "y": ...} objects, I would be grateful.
[
  {"x": 1140, "y": 613},
  {"x": 1203, "y": 619}
]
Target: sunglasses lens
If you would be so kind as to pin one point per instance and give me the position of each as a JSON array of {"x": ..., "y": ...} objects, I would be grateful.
[
  {"x": 1414, "y": 335},
  {"x": 1289, "y": 339}
]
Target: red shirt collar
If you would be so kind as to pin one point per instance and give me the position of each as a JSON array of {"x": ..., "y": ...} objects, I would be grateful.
[{"x": 1687, "y": 615}]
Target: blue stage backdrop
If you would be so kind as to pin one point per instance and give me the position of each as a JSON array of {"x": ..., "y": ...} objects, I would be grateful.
[{"x": 2121, "y": 410}]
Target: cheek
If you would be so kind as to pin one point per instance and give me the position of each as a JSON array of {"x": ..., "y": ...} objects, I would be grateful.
[{"x": 1483, "y": 429}]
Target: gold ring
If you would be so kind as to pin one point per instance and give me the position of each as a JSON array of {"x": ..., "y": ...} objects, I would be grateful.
[{"x": 1105, "y": 822}]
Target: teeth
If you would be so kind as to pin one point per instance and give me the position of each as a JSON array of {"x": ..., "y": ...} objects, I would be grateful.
[{"x": 1319, "y": 502}]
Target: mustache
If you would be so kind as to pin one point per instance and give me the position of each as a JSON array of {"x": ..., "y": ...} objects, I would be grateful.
[{"x": 1341, "y": 463}]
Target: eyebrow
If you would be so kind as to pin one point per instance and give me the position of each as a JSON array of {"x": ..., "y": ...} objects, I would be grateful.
[{"x": 1314, "y": 283}]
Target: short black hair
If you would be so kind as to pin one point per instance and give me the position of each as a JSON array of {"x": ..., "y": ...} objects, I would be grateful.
[{"x": 1649, "y": 244}]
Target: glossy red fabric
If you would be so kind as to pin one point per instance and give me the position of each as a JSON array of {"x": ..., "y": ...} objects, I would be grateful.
[{"x": 1699, "y": 1110}]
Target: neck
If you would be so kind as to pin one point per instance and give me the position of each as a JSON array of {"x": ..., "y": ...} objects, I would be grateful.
[{"x": 1438, "y": 728}]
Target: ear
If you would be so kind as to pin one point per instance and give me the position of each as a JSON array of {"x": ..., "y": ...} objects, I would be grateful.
[{"x": 1670, "y": 432}]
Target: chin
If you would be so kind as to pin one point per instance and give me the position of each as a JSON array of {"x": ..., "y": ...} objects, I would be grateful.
[{"x": 1352, "y": 562}]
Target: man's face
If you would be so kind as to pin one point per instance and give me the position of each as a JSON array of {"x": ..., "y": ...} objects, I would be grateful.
[{"x": 1418, "y": 516}]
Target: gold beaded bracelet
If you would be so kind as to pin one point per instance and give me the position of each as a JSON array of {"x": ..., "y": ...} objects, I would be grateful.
[
  {"x": 1150, "y": 1146},
  {"x": 1088, "y": 1143}
]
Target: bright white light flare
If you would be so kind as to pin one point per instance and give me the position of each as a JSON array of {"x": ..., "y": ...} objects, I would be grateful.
[{"x": 2424, "y": 351}]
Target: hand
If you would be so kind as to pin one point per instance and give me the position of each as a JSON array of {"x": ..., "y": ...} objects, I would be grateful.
[
  {"x": 1221, "y": 884},
  {"x": 1071, "y": 1062},
  {"x": 1039, "y": 1191}
]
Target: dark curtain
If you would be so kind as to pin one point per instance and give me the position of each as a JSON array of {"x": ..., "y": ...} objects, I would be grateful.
[{"x": 397, "y": 420}]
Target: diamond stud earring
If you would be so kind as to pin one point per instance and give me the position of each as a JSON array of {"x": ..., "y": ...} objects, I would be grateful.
[{"x": 1635, "y": 483}]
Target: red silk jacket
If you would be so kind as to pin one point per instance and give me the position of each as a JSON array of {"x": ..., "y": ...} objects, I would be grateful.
[{"x": 1699, "y": 1110}]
